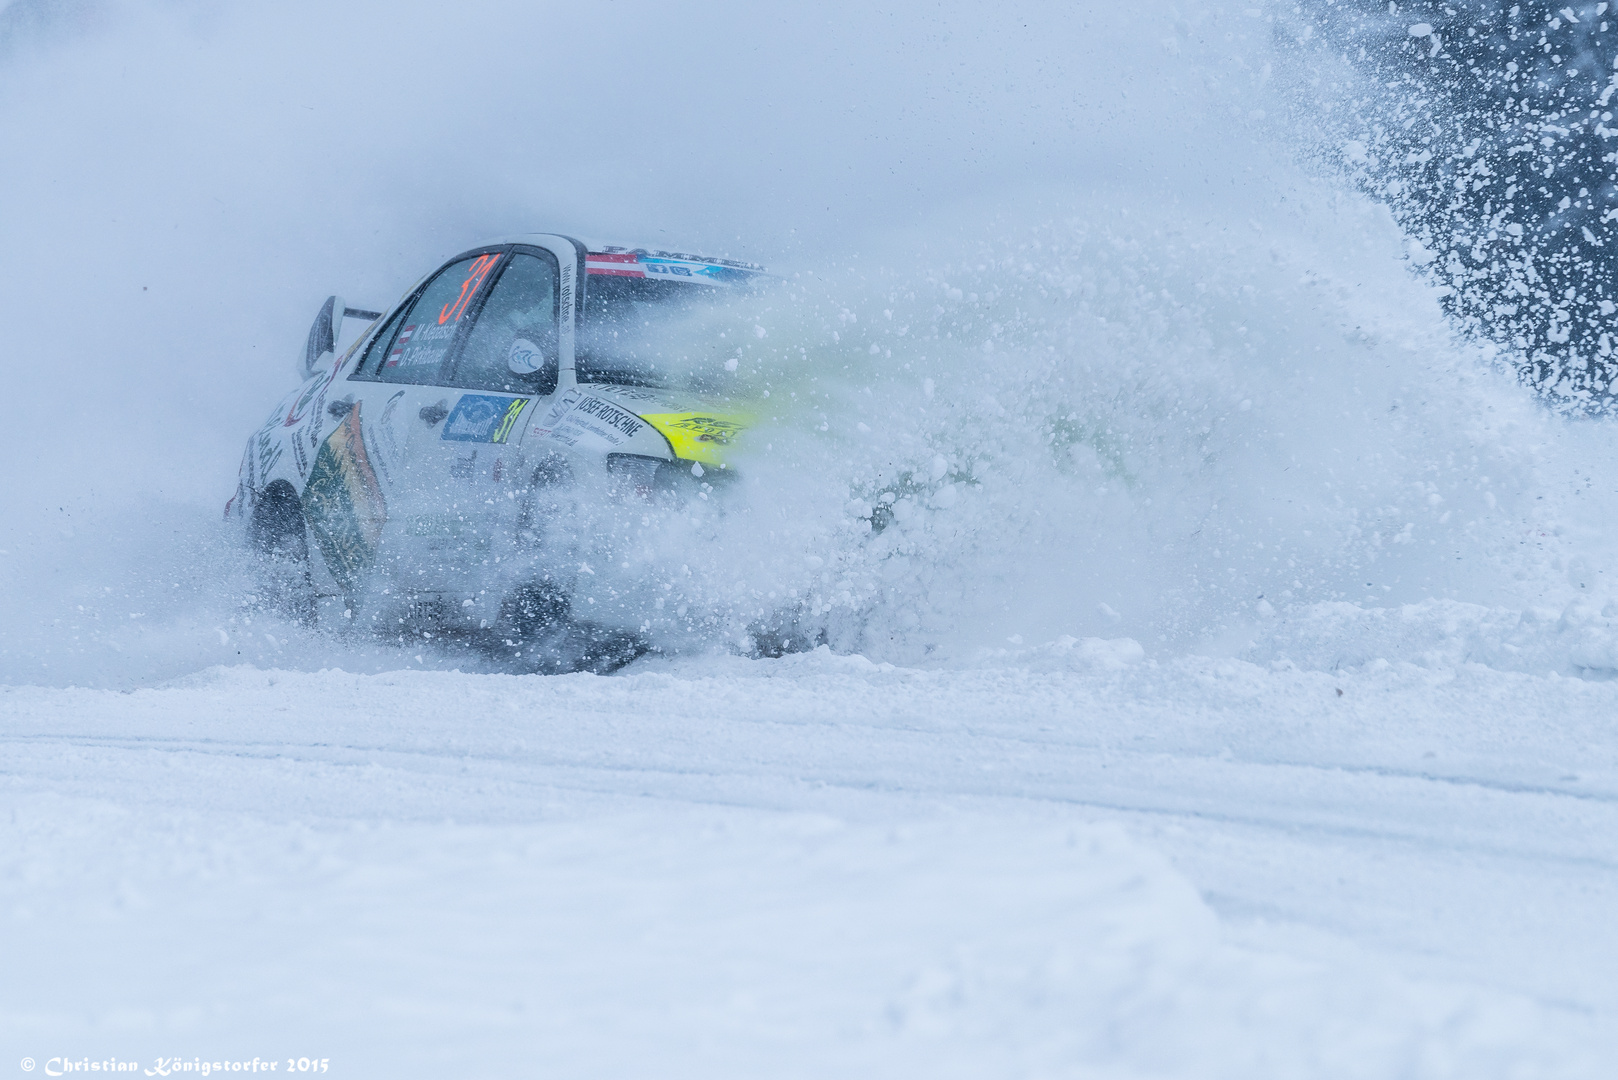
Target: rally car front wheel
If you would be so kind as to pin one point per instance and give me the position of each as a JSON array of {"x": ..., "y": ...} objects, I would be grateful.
[{"x": 537, "y": 632}]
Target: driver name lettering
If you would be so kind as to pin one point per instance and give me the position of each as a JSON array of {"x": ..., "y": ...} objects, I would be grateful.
[{"x": 419, "y": 345}]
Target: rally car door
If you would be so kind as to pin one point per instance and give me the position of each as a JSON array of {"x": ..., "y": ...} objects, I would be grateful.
[{"x": 408, "y": 488}]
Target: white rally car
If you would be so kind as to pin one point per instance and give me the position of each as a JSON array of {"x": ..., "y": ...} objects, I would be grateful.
[{"x": 453, "y": 470}]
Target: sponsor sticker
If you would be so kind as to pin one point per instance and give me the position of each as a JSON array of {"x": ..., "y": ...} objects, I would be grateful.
[
  {"x": 699, "y": 436},
  {"x": 384, "y": 441},
  {"x": 670, "y": 269},
  {"x": 639, "y": 393},
  {"x": 606, "y": 414},
  {"x": 391, "y": 407},
  {"x": 344, "y": 502},
  {"x": 583, "y": 419},
  {"x": 524, "y": 357},
  {"x": 668, "y": 265},
  {"x": 483, "y": 418},
  {"x": 559, "y": 408},
  {"x": 246, "y": 475},
  {"x": 269, "y": 452},
  {"x": 613, "y": 264},
  {"x": 300, "y": 408}
]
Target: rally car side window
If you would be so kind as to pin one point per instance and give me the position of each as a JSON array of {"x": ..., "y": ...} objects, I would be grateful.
[
  {"x": 512, "y": 345},
  {"x": 416, "y": 345},
  {"x": 372, "y": 360}
]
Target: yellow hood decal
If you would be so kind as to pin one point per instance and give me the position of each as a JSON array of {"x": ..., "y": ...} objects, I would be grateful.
[{"x": 699, "y": 436}]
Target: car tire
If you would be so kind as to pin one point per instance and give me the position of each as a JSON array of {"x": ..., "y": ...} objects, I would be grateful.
[
  {"x": 534, "y": 609},
  {"x": 279, "y": 537}
]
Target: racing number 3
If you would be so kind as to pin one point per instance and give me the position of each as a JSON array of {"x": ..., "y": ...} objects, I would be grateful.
[{"x": 475, "y": 274}]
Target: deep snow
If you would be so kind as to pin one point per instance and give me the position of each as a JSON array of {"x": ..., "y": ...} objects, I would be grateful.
[{"x": 1229, "y": 698}]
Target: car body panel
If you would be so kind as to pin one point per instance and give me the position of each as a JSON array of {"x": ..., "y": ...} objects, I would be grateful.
[
  {"x": 425, "y": 493},
  {"x": 701, "y": 435}
]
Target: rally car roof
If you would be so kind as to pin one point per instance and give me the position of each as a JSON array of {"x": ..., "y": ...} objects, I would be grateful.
[{"x": 619, "y": 260}]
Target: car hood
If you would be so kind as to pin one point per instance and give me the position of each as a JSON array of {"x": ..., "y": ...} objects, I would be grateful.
[{"x": 697, "y": 428}]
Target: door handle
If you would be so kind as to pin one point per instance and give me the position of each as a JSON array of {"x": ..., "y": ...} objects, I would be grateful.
[
  {"x": 434, "y": 413},
  {"x": 339, "y": 409}
]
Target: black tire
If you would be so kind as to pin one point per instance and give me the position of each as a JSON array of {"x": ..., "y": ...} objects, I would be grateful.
[
  {"x": 534, "y": 610},
  {"x": 537, "y": 633},
  {"x": 279, "y": 538}
]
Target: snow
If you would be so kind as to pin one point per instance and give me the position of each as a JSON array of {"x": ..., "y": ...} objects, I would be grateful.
[
  {"x": 1232, "y": 693},
  {"x": 820, "y": 864}
]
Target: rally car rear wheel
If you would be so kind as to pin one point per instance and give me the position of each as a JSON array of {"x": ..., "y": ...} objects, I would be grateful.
[{"x": 280, "y": 540}]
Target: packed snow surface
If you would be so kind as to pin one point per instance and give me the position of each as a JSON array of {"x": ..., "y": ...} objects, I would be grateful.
[
  {"x": 1231, "y": 695},
  {"x": 1067, "y": 860}
]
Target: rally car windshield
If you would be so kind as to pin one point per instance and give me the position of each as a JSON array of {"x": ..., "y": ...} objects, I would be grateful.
[{"x": 647, "y": 333}]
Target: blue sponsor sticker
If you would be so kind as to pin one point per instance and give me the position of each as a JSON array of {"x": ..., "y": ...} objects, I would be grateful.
[{"x": 483, "y": 418}]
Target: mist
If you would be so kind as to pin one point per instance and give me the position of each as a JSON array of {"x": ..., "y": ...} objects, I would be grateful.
[{"x": 1071, "y": 266}]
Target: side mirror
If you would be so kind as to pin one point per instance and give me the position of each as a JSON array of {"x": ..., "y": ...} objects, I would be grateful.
[{"x": 322, "y": 335}]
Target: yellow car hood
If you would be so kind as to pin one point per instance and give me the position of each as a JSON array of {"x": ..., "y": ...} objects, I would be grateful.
[{"x": 698, "y": 430}]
